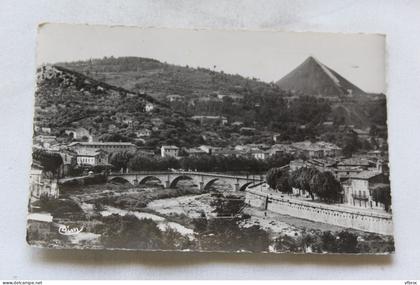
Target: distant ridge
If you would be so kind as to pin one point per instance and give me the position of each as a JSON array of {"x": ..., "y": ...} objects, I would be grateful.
[{"x": 316, "y": 79}]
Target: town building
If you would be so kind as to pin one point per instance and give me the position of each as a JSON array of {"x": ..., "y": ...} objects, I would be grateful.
[
  {"x": 276, "y": 138},
  {"x": 109, "y": 147},
  {"x": 112, "y": 128},
  {"x": 92, "y": 157},
  {"x": 321, "y": 164},
  {"x": 41, "y": 186},
  {"x": 296, "y": 164},
  {"x": 260, "y": 154},
  {"x": 196, "y": 152},
  {"x": 247, "y": 131},
  {"x": 69, "y": 158},
  {"x": 143, "y": 133},
  {"x": 228, "y": 152},
  {"x": 308, "y": 149},
  {"x": 128, "y": 121},
  {"x": 146, "y": 151},
  {"x": 149, "y": 107},
  {"x": 45, "y": 141},
  {"x": 328, "y": 124},
  {"x": 362, "y": 134},
  {"x": 330, "y": 149},
  {"x": 285, "y": 148},
  {"x": 358, "y": 191},
  {"x": 156, "y": 121},
  {"x": 174, "y": 98},
  {"x": 80, "y": 134},
  {"x": 351, "y": 166},
  {"x": 237, "y": 124},
  {"x": 208, "y": 120},
  {"x": 169, "y": 151},
  {"x": 208, "y": 149},
  {"x": 317, "y": 149},
  {"x": 234, "y": 97},
  {"x": 46, "y": 130}
]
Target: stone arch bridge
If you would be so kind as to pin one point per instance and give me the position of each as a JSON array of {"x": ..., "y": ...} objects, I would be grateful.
[{"x": 203, "y": 180}]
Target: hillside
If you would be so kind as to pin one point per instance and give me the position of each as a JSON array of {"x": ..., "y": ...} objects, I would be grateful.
[
  {"x": 161, "y": 79},
  {"x": 66, "y": 99},
  {"x": 311, "y": 78},
  {"x": 314, "y": 78},
  {"x": 349, "y": 103}
]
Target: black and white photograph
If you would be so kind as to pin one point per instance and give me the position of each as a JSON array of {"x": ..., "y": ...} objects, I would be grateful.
[{"x": 207, "y": 140}]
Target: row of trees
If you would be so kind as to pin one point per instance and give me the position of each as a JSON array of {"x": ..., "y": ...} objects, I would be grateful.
[
  {"x": 315, "y": 182},
  {"x": 208, "y": 163},
  {"x": 382, "y": 194},
  {"x": 322, "y": 184}
]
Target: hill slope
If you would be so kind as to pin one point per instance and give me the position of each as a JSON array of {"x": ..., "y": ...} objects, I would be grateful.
[
  {"x": 349, "y": 103},
  {"x": 67, "y": 99},
  {"x": 160, "y": 79},
  {"x": 262, "y": 102},
  {"x": 314, "y": 78}
]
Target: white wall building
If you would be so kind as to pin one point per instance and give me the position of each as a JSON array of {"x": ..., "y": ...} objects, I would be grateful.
[
  {"x": 169, "y": 151},
  {"x": 149, "y": 107},
  {"x": 92, "y": 157},
  {"x": 40, "y": 186}
]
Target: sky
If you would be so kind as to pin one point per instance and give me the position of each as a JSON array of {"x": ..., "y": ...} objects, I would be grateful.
[{"x": 266, "y": 55}]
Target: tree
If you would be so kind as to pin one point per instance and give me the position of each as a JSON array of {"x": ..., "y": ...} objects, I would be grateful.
[
  {"x": 278, "y": 179},
  {"x": 120, "y": 159},
  {"x": 350, "y": 143},
  {"x": 329, "y": 242},
  {"x": 302, "y": 177},
  {"x": 279, "y": 160},
  {"x": 326, "y": 186},
  {"x": 382, "y": 193},
  {"x": 347, "y": 242},
  {"x": 271, "y": 177},
  {"x": 49, "y": 161},
  {"x": 130, "y": 232}
]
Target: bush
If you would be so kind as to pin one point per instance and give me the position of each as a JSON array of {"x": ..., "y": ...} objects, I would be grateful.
[
  {"x": 227, "y": 235},
  {"x": 59, "y": 207},
  {"x": 347, "y": 242},
  {"x": 128, "y": 232},
  {"x": 287, "y": 243}
]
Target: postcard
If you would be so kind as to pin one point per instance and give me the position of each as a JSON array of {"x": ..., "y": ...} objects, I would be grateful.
[{"x": 210, "y": 140}]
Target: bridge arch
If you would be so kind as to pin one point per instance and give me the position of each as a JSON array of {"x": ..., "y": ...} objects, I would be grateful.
[
  {"x": 151, "y": 178},
  {"x": 243, "y": 187},
  {"x": 119, "y": 179},
  {"x": 179, "y": 178},
  {"x": 209, "y": 183}
]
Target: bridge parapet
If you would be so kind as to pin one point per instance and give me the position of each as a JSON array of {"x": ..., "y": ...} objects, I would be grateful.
[
  {"x": 191, "y": 173},
  {"x": 203, "y": 180}
]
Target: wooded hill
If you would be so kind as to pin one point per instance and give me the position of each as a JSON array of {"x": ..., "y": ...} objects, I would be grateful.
[
  {"x": 66, "y": 99},
  {"x": 311, "y": 79}
]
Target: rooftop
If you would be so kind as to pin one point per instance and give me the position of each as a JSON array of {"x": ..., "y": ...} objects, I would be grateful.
[
  {"x": 170, "y": 146},
  {"x": 354, "y": 161},
  {"x": 102, "y": 143},
  {"x": 367, "y": 174},
  {"x": 89, "y": 152}
]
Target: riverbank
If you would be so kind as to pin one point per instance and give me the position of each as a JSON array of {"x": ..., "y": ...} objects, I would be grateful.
[
  {"x": 333, "y": 214},
  {"x": 117, "y": 215}
]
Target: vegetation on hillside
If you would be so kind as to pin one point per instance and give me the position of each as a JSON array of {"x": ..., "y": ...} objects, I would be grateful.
[{"x": 262, "y": 105}]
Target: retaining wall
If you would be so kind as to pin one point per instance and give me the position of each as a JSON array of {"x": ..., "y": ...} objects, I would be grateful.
[{"x": 368, "y": 221}]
